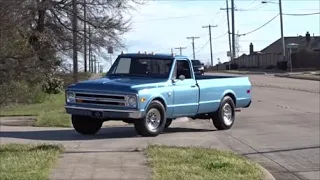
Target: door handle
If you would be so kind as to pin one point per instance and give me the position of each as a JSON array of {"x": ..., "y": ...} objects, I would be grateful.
[{"x": 193, "y": 85}]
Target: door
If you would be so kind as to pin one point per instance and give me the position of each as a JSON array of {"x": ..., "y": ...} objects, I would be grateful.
[{"x": 185, "y": 91}]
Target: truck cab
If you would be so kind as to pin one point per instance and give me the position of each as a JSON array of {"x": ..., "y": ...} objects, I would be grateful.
[{"x": 151, "y": 90}]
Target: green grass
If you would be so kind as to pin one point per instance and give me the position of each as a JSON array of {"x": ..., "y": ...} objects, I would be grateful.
[
  {"x": 50, "y": 113},
  {"x": 27, "y": 162},
  {"x": 199, "y": 163}
]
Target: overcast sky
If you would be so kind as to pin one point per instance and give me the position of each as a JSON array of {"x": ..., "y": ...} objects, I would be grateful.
[{"x": 161, "y": 25}]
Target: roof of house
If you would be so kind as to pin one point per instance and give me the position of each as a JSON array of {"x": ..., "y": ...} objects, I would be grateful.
[{"x": 276, "y": 47}]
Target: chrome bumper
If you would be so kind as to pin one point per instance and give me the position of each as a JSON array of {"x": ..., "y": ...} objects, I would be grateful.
[{"x": 107, "y": 113}]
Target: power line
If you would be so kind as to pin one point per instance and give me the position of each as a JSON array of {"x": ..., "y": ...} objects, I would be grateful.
[
  {"x": 174, "y": 17},
  {"x": 259, "y": 27},
  {"x": 308, "y": 14},
  {"x": 220, "y": 36},
  {"x": 200, "y": 49}
]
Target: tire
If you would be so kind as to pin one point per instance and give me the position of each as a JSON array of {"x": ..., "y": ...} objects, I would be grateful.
[
  {"x": 86, "y": 125},
  {"x": 218, "y": 119},
  {"x": 168, "y": 123},
  {"x": 144, "y": 127}
]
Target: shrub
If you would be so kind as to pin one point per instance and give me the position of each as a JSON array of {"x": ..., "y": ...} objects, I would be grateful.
[
  {"x": 52, "y": 85},
  {"x": 20, "y": 92}
]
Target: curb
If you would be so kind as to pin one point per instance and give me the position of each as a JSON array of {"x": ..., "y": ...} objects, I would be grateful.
[
  {"x": 18, "y": 121},
  {"x": 267, "y": 175},
  {"x": 297, "y": 77},
  {"x": 238, "y": 72}
]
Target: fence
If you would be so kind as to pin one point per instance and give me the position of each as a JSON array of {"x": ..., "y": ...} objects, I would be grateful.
[
  {"x": 258, "y": 60},
  {"x": 300, "y": 59}
]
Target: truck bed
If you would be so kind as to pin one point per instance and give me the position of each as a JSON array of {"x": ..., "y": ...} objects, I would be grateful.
[
  {"x": 212, "y": 88},
  {"x": 199, "y": 77}
]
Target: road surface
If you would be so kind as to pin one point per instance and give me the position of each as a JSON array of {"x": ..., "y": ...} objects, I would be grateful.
[{"x": 280, "y": 131}]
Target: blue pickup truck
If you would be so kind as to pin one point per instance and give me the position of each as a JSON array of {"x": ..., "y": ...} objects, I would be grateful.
[{"x": 151, "y": 90}]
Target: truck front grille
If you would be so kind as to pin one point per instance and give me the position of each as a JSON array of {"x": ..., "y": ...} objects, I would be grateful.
[{"x": 101, "y": 99}]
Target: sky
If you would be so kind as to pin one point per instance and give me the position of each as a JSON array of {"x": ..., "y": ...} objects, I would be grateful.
[{"x": 160, "y": 25}]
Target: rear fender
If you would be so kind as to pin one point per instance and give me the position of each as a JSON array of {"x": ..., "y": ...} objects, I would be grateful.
[{"x": 230, "y": 93}]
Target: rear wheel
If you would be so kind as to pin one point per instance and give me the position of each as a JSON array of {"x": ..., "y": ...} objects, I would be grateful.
[
  {"x": 86, "y": 125},
  {"x": 224, "y": 117},
  {"x": 154, "y": 121}
]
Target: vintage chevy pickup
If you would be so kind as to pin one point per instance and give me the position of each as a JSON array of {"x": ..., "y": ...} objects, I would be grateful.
[{"x": 151, "y": 90}]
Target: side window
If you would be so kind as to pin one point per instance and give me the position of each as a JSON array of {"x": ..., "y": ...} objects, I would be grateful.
[{"x": 183, "y": 68}]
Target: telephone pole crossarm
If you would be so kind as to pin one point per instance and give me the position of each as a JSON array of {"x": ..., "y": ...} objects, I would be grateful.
[
  {"x": 193, "y": 38},
  {"x": 180, "y": 49},
  {"x": 211, "y": 53}
]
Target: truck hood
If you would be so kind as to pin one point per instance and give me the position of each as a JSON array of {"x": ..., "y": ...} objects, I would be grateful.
[{"x": 119, "y": 84}]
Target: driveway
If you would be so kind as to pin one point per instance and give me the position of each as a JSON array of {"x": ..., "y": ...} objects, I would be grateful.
[{"x": 280, "y": 130}]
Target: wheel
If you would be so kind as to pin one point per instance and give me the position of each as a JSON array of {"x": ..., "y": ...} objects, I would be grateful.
[
  {"x": 168, "y": 123},
  {"x": 154, "y": 121},
  {"x": 86, "y": 125},
  {"x": 224, "y": 118}
]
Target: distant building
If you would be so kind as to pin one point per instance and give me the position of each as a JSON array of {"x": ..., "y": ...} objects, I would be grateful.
[{"x": 307, "y": 55}]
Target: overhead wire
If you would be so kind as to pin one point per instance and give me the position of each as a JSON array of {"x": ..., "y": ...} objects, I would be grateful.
[
  {"x": 307, "y": 14},
  {"x": 202, "y": 47},
  {"x": 259, "y": 27}
]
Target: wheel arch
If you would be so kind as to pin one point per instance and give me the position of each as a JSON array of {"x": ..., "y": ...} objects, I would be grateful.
[{"x": 232, "y": 95}]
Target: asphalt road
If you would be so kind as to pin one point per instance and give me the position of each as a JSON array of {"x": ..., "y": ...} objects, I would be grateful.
[{"x": 280, "y": 131}]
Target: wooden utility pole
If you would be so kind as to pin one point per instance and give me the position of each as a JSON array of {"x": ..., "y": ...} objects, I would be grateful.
[
  {"x": 74, "y": 41},
  {"x": 233, "y": 30},
  {"x": 180, "y": 48},
  {"x": 193, "y": 38},
  {"x": 228, "y": 19},
  {"x": 211, "y": 54}
]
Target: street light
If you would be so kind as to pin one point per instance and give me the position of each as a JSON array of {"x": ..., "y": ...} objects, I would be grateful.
[{"x": 281, "y": 26}]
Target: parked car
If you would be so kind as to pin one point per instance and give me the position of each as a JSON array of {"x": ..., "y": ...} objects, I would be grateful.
[
  {"x": 198, "y": 67},
  {"x": 151, "y": 90}
]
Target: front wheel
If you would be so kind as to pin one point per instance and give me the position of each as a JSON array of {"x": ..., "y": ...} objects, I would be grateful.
[
  {"x": 224, "y": 118},
  {"x": 154, "y": 121},
  {"x": 86, "y": 125}
]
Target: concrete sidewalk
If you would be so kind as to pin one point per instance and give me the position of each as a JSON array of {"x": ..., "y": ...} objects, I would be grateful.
[{"x": 101, "y": 164}]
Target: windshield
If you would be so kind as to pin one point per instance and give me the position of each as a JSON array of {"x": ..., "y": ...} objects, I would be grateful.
[
  {"x": 196, "y": 62},
  {"x": 145, "y": 67}
]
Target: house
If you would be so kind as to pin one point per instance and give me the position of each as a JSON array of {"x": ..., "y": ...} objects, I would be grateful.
[
  {"x": 308, "y": 42},
  {"x": 307, "y": 55}
]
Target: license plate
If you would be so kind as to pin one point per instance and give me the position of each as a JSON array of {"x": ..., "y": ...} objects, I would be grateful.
[{"x": 97, "y": 114}]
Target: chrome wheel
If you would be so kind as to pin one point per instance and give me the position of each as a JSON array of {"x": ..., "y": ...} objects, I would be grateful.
[
  {"x": 227, "y": 114},
  {"x": 153, "y": 119}
]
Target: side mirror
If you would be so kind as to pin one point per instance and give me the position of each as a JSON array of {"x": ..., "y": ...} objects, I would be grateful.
[
  {"x": 202, "y": 63},
  {"x": 182, "y": 77}
]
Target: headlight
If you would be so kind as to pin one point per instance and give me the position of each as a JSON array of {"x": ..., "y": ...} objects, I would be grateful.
[
  {"x": 71, "y": 96},
  {"x": 201, "y": 68},
  {"x": 132, "y": 101}
]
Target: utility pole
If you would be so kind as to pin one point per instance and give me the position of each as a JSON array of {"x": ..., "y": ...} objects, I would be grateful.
[
  {"x": 193, "y": 38},
  {"x": 282, "y": 37},
  {"x": 233, "y": 30},
  {"x": 210, "y": 26},
  {"x": 85, "y": 34},
  {"x": 180, "y": 48},
  {"x": 171, "y": 50},
  {"x": 74, "y": 41},
  {"x": 228, "y": 19}
]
